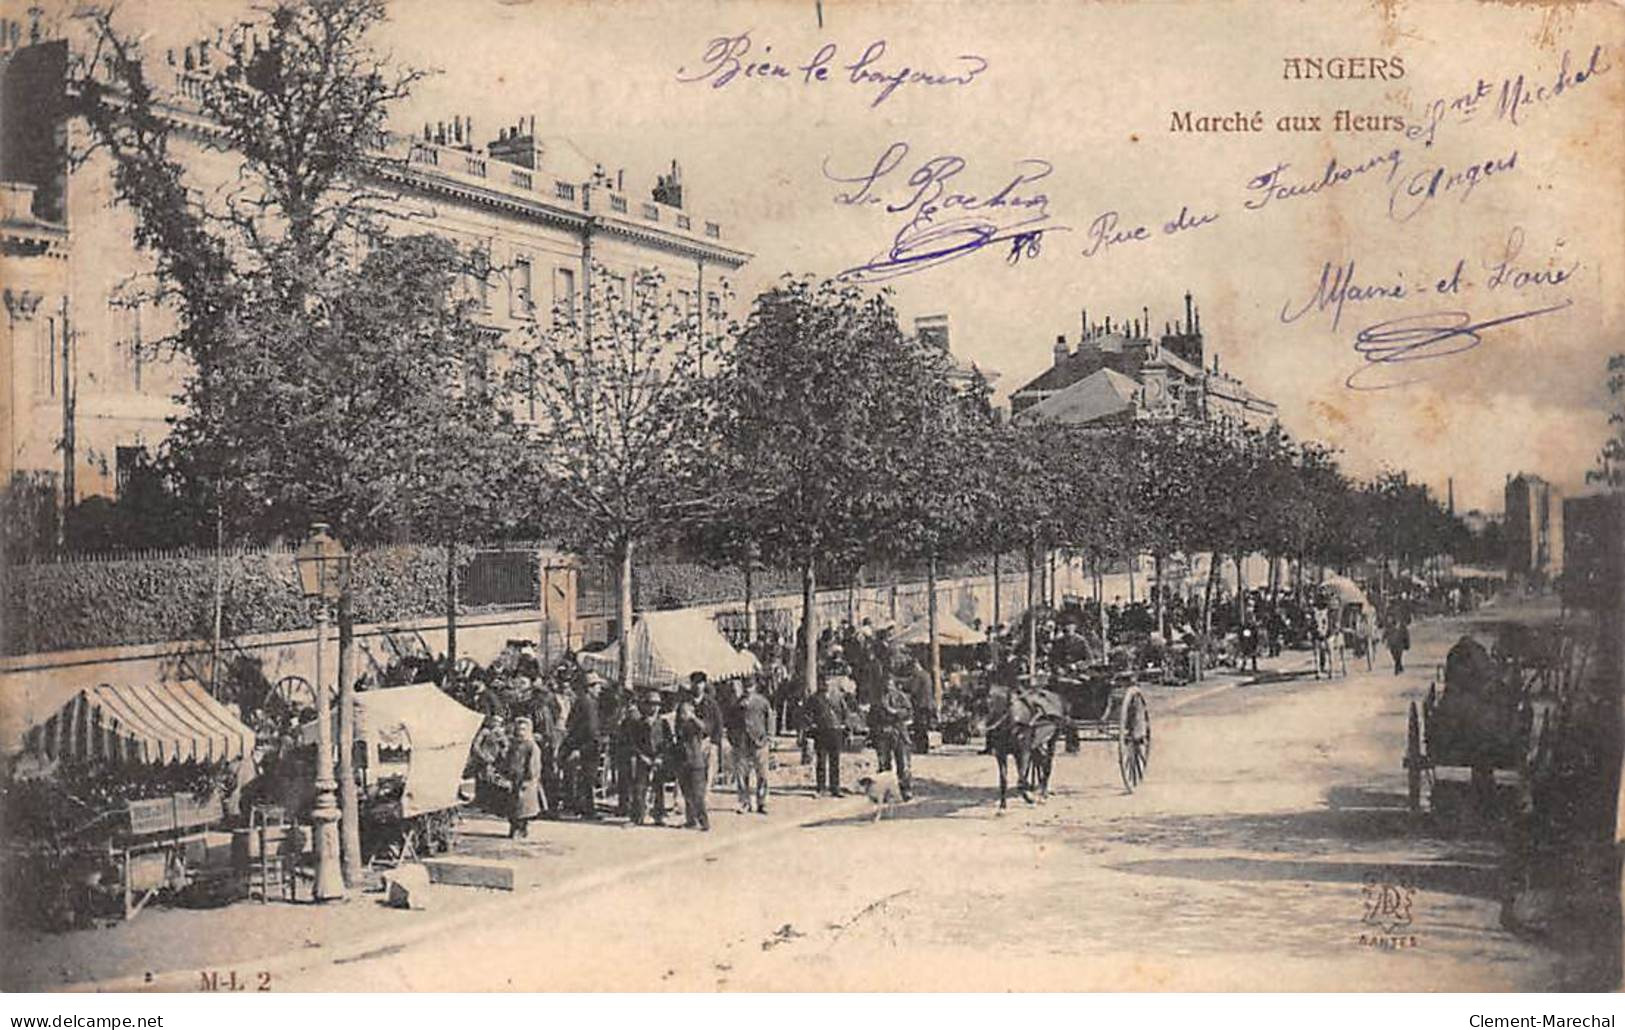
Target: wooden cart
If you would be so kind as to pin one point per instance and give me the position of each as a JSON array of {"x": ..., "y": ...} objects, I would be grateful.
[{"x": 1107, "y": 707}]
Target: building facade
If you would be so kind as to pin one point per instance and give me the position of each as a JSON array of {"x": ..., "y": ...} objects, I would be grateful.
[
  {"x": 934, "y": 330},
  {"x": 1533, "y": 530},
  {"x": 1121, "y": 373},
  {"x": 543, "y": 222}
]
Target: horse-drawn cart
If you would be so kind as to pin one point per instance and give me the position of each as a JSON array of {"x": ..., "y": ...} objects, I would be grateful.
[
  {"x": 1099, "y": 706},
  {"x": 1107, "y": 707},
  {"x": 1482, "y": 719}
]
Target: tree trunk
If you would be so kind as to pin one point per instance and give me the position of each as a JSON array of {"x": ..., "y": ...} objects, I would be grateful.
[
  {"x": 1241, "y": 585},
  {"x": 1100, "y": 609},
  {"x": 623, "y": 556},
  {"x": 750, "y": 612},
  {"x": 809, "y": 627},
  {"x": 1054, "y": 596},
  {"x": 1213, "y": 563},
  {"x": 1157, "y": 596},
  {"x": 1275, "y": 578},
  {"x": 993, "y": 631},
  {"x": 349, "y": 803},
  {"x": 1133, "y": 561},
  {"x": 1032, "y": 607},
  {"x": 451, "y": 608},
  {"x": 931, "y": 628},
  {"x": 219, "y": 598}
]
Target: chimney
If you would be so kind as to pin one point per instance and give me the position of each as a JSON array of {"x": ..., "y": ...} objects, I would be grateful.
[
  {"x": 1198, "y": 328},
  {"x": 1060, "y": 349},
  {"x": 1189, "y": 318},
  {"x": 1084, "y": 318},
  {"x": 1145, "y": 319}
]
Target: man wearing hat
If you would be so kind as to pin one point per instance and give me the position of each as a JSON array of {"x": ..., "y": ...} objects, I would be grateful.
[
  {"x": 752, "y": 728},
  {"x": 827, "y": 709},
  {"x": 548, "y": 719},
  {"x": 581, "y": 740},
  {"x": 691, "y": 775},
  {"x": 525, "y": 772},
  {"x": 645, "y": 734},
  {"x": 889, "y": 720}
]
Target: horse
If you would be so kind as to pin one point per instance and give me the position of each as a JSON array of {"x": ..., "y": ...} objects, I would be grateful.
[{"x": 1024, "y": 725}]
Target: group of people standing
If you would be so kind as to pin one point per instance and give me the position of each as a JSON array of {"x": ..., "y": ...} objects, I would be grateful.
[{"x": 551, "y": 762}]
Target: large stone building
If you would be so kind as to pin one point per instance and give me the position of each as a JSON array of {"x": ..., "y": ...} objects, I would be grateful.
[
  {"x": 1533, "y": 530},
  {"x": 88, "y": 397},
  {"x": 1122, "y": 373}
]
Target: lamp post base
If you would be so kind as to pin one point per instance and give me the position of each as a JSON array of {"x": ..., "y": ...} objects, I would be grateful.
[{"x": 325, "y": 820}]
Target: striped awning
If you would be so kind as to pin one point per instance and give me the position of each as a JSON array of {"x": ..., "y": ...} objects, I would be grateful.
[{"x": 153, "y": 724}]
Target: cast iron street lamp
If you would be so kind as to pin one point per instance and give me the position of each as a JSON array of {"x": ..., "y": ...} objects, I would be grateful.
[{"x": 324, "y": 567}]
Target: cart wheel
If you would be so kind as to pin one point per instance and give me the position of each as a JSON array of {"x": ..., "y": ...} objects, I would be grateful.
[
  {"x": 1133, "y": 738},
  {"x": 1413, "y": 759}
]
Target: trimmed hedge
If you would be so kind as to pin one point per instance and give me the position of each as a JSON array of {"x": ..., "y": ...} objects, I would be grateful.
[{"x": 58, "y": 606}]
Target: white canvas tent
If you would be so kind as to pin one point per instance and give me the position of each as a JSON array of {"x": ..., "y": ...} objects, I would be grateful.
[
  {"x": 667, "y": 646},
  {"x": 1346, "y": 589},
  {"x": 425, "y": 721},
  {"x": 424, "y": 735},
  {"x": 950, "y": 632}
]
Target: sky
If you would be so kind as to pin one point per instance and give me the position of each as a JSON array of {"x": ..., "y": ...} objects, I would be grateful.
[{"x": 1075, "y": 103}]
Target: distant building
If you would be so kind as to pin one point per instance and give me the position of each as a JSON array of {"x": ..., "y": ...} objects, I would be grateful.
[
  {"x": 1123, "y": 373},
  {"x": 933, "y": 329},
  {"x": 1477, "y": 520},
  {"x": 1533, "y": 530}
]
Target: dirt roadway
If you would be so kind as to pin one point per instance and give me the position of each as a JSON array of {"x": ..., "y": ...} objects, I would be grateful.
[{"x": 1245, "y": 862}]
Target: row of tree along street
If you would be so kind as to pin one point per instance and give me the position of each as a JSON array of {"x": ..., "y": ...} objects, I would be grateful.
[{"x": 812, "y": 435}]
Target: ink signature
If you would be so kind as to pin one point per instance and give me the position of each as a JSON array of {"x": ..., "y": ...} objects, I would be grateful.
[
  {"x": 1427, "y": 337},
  {"x": 943, "y": 220}
]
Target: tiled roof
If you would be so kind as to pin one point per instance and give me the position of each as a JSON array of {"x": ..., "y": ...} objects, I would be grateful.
[{"x": 1106, "y": 392}]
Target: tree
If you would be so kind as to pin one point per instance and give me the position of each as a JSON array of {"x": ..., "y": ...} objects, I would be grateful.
[
  {"x": 938, "y": 446},
  {"x": 1610, "y": 470},
  {"x": 316, "y": 387},
  {"x": 816, "y": 391},
  {"x": 624, "y": 425}
]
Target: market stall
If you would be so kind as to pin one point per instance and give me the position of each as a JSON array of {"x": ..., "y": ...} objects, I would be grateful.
[
  {"x": 412, "y": 744},
  {"x": 117, "y": 796},
  {"x": 667, "y": 646}
]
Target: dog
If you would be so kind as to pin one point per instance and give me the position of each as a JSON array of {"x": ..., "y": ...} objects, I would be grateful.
[{"x": 882, "y": 791}]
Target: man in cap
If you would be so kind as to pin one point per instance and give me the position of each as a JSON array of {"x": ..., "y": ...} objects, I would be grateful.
[
  {"x": 581, "y": 741},
  {"x": 548, "y": 718},
  {"x": 695, "y": 748},
  {"x": 827, "y": 709},
  {"x": 752, "y": 738},
  {"x": 525, "y": 772},
  {"x": 889, "y": 720},
  {"x": 645, "y": 733}
]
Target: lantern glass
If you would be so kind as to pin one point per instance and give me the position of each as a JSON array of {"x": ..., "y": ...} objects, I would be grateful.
[{"x": 323, "y": 564}]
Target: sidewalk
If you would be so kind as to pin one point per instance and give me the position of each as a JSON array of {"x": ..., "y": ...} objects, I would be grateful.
[
  {"x": 173, "y": 948},
  {"x": 167, "y": 948}
]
